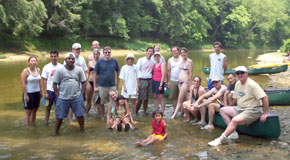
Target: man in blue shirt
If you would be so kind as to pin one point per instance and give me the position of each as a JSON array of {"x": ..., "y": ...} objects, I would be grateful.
[{"x": 104, "y": 80}]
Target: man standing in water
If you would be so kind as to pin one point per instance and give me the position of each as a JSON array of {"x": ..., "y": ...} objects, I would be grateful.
[
  {"x": 145, "y": 66},
  {"x": 218, "y": 64},
  {"x": 69, "y": 93},
  {"x": 47, "y": 80},
  {"x": 250, "y": 98},
  {"x": 173, "y": 71}
]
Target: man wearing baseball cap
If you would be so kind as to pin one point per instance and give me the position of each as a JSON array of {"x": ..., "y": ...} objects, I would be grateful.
[
  {"x": 69, "y": 94},
  {"x": 250, "y": 98}
]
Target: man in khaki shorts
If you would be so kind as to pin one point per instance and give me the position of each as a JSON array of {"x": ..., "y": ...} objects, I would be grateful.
[
  {"x": 250, "y": 98},
  {"x": 173, "y": 71}
]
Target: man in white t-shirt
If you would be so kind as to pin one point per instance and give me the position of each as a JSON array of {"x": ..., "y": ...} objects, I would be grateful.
[
  {"x": 145, "y": 66},
  {"x": 218, "y": 64},
  {"x": 47, "y": 81},
  {"x": 250, "y": 98}
]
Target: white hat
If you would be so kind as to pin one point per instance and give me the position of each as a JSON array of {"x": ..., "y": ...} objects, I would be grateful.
[
  {"x": 76, "y": 46},
  {"x": 69, "y": 54},
  {"x": 215, "y": 79},
  {"x": 157, "y": 53},
  {"x": 241, "y": 68},
  {"x": 130, "y": 55}
]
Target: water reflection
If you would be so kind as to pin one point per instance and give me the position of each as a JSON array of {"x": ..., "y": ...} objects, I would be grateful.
[{"x": 97, "y": 142}]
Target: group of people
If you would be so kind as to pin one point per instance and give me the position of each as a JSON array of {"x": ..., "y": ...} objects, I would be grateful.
[{"x": 97, "y": 82}]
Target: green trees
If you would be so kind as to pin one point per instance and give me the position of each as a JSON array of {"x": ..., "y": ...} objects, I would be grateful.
[{"x": 237, "y": 23}]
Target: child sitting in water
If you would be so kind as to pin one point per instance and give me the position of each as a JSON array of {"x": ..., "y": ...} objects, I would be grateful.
[
  {"x": 159, "y": 132},
  {"x": 121, "y": 112}
]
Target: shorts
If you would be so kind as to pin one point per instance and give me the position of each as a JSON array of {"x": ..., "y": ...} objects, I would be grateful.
[
  {"x": 145, "y": 91},
  {"x": 221, "y": 105},
  {"x": 174, "y": 90},
  {"x": 104, "y": 93},
  {"x": 250, "y": 114},
  {"x": 52, "y": 98},
  {"x": 155, "y": 87},
  {"x": 133, "y": 96},
  {"x": 34, "y": 100},
  {"x": 62, "y": 107},
  {"x": 96, "y": 98},
  {"x": 157, "y": 136}
]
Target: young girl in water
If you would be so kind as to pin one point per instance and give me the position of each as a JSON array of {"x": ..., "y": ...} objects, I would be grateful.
[
  {"x": 121, "y": 112},
  {"x": 159, "y": 132}
]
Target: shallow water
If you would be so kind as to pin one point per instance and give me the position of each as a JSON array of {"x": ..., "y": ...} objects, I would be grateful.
[{"x": 97, "y": 142}]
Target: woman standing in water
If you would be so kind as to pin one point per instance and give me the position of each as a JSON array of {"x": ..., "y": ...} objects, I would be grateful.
[
  {"x": 196, "y": 90},
  {"x": 90, "y": 86},
  {"x": 31, "y": 86},
  {"x": 184, "y": 79}
]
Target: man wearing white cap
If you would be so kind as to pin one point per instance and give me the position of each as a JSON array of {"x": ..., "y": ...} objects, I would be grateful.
[
  {"x": 214, "y": 103},
  {"x": 79, "y": 60},
  {"x": 250, "y": 98},
  {"x": 69, "y": 93}
]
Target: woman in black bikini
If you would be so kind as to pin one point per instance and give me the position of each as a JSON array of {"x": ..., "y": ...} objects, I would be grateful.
[
  {"x": 196, "y": 90},
  {"x": 90, "y": 86}
]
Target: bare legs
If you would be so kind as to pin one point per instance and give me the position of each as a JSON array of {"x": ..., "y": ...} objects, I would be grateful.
[
  {"x": 30, "y": 116},
  {"x": 147, "y": 141},
  {"x": 145, "y": 105},
  {"x": 182, "y": 95},
  {"x": 58, "y": 123},
  {"x": 47, "y": 114},
  {"x": 159, "y": 98}
]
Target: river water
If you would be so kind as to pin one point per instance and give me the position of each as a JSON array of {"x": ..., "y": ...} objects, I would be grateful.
[{"x": 97, "y": 142}]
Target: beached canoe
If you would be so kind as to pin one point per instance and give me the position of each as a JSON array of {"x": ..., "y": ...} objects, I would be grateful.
[
  {"x": 278, "y": 97},
  {"x": 255, "y": 71},
  {"x": 268, "y": 130},
  {"x": 267, "y": 65}
]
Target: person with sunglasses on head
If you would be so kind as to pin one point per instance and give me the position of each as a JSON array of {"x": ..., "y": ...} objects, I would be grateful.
[
  {"x": 214, "y": 103},
  {"x": 104, "y": 78},
  {"x": 218, "y": 64},
  {"x": 250, "y": 98}
]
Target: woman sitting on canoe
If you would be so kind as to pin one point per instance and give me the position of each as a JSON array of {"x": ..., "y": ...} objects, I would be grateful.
[
  {"x": 184, "y": 79},
  {"x": 196, "y": 90}
]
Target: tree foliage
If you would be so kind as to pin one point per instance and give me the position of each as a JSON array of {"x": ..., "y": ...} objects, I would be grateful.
[{"x": 234, "y": 22}]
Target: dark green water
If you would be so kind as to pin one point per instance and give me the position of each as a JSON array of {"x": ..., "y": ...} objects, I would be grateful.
[{"x": 184, "y": 141}]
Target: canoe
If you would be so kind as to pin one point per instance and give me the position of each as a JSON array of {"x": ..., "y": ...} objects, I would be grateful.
[
  {"x": 278, "y": 97},
  {"x": 268, "y": 130},
  {"x": 255, "y": 71},
  {"x": 267, "y": 65}
]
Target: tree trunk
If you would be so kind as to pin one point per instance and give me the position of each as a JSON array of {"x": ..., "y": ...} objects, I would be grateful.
[
  {"x": 216, "y": 30},
  {"x": 251, "y": 30}
]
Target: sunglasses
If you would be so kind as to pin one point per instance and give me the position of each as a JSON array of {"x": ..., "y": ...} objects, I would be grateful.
[
  {"x": 214, "y": 82},
  {"x": 107, "y": 52},
  {"x": 241, "y": 72}
]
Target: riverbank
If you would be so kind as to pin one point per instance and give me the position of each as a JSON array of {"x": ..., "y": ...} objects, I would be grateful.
[{"x": 279, "y": 80}]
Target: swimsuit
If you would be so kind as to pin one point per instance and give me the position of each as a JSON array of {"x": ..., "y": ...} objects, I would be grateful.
[
  {"x": 180, "y": 83},
  {"x": 195, "y": 98},
  {"x": 91, "y": 69},
  {"x": 184, "y": 68}
]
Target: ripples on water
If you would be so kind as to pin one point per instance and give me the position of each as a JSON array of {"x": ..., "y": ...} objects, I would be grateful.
[{"x": 97, "y": 142}]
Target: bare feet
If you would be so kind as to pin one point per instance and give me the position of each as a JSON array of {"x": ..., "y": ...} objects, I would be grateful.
[{"x": 140, "y": 144}]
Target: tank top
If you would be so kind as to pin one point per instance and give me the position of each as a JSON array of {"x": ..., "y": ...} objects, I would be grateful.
[
  {"x": 175, "y": 70},
  {"x": 32, "y": 83},
  {"x": 157, "y": 72},
  {"x": 158, "y": 129}
]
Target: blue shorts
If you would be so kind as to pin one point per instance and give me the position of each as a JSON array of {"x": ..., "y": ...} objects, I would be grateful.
[
  {"x": 155, "y": 86},
  {"x": 34, "y": 100},
  {"x": 52, "y": 98},
  {"x": 62, "y": 107}
]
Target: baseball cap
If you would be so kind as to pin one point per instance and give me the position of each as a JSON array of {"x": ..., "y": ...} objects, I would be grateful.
[
  {"x": 130, "y": 55},
  {"x": 241, "y": 68},
  {"x": 157, "y": 53},
  {"x": 76, "y": 46},
  {"x": 215, "y": 79},
  {"x": 69, "y": 54}
]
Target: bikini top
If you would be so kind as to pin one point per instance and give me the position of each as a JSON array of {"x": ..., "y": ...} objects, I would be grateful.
[
  {"x": 197, "y": 96},
  {"x": 121, "y": 111},
  {"x": 91, "y": 69},
  {"x": 184, "y": 68}
]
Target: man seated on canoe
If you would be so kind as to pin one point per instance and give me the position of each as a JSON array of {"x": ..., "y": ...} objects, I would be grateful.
[
  {"x": 228, "y": 97},
  {"x": 213, "y": 103},
  {"x": 250, "y": 98}
]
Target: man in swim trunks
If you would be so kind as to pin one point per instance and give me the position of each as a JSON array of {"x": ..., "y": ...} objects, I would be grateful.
[{"x": 250, "y": 98}]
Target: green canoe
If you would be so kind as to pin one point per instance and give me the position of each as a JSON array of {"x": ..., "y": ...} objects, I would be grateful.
[
  {"x": 278, "y": 97},
  {"x": 255, "y": 71},
  {"x": 269, "y": 130}
]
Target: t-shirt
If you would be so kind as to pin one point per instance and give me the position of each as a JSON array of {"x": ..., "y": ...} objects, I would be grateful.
[
  {"x": 81, "y": 62},
  {"x": 214, "y": 91},
  {"x": 69, "y": 82},
  {"x": 106, "y": 72},
  {"x": 48, "y": 72},
  {"x": 162, "y": 59},
  {"x": 231, "y": 87},
  {"x": 130, "y": 75},
  {"x": 145, "y": 67},
  {"x": 248, "y": 94},
  {"x": 217, "y": 65},
  {"x": 158, "y": 129}
]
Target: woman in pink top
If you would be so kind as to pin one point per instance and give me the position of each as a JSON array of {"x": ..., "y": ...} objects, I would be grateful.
[
  {"x": 158, "y": 82},
  {"x": 160, "y": 131}
]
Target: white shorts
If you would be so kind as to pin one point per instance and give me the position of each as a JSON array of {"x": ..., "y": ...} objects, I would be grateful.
[{"x": 134, "y": 96}]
